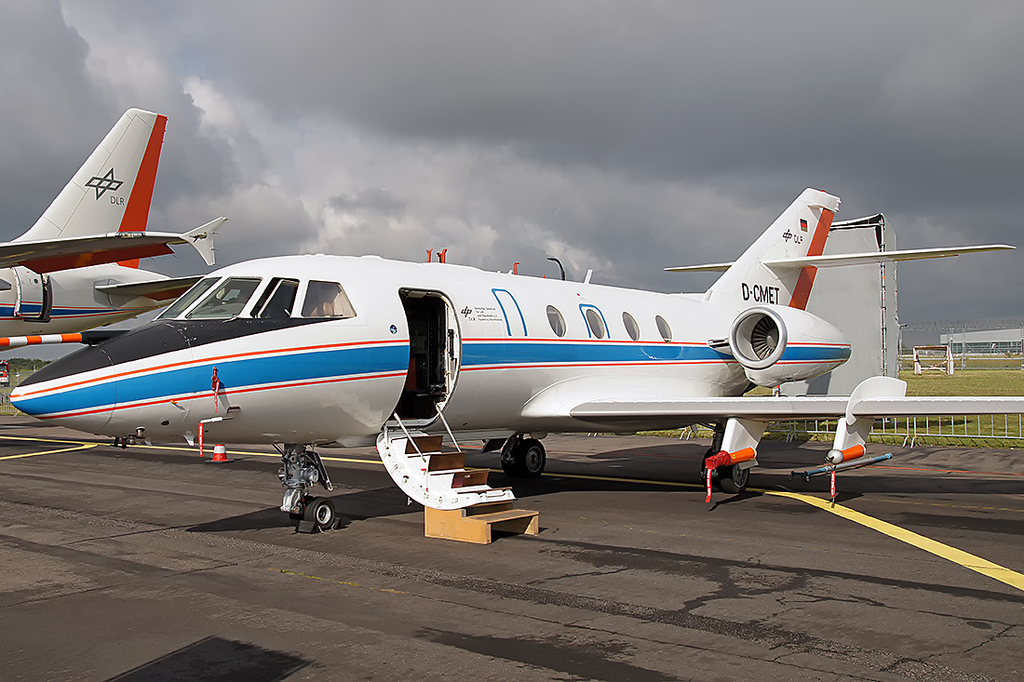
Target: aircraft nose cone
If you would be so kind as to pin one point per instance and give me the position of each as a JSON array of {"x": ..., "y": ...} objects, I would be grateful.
[{"x": 74, "y": 391}]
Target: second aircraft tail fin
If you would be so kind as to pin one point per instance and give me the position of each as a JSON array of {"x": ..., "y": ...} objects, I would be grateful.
[{"x": 113, "y": 189}]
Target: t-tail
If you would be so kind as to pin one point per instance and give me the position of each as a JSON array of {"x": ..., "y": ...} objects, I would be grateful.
[
  {"x": 800, "y": 231},
  {"x": 113, "y": 189},
  {"x": 779, "y": 268}
]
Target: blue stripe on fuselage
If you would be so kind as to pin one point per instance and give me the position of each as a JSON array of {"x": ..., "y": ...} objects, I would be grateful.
[
  {"x": 305, "y": 366},
  {"x": 233, "y": 374},
  {"x": 513, "y": 352}
]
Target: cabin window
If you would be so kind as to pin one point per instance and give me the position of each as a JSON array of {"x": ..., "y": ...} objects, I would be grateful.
[
  {"x": 632, "y": 328},
  {"x": 663, "y": 328},
  {"x": 595, "y": 322},
  {"x": 227, "y": 300},
  {"x": 556, "y": 321},
  {"x": 326, "y": 299},
  {"x": 188, "y": 298},
  {"x": 277, "y": 300}
]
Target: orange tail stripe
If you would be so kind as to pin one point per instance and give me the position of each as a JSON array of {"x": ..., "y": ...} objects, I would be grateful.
[
  {"x": 805, "y": 281},
  {"x": 136, "y": 213}
]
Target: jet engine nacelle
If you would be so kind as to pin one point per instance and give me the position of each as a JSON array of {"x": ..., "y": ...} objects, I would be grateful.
[{"x": 776, "y": 344}]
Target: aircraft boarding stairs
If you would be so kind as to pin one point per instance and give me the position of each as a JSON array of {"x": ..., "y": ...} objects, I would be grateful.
[{"x": 458, "y": 503}]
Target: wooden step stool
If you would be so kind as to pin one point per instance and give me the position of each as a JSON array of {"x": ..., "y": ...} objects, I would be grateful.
[{"x": 476, "y": 523}]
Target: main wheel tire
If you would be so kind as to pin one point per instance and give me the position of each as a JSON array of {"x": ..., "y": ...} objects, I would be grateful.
[
  {"x": 732, "y": 479},
  {"x": 320, "y": 510},
  {"x": 531, "y": 458}
]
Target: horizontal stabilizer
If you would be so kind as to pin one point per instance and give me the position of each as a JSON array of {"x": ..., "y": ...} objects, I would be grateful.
[
  {"x": 157, "y": 289},
  {"x": 709, "y": 267},
  {"x": 844, "y": 259},
  {"x": 51, "y": 255}
]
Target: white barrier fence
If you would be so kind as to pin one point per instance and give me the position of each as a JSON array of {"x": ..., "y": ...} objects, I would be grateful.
[{"x": 1004, "y": 430}]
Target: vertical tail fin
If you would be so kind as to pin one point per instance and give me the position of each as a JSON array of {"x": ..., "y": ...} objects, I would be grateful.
[
  {"x": 113, "y": 189},
  {"x": 800, "y": 231}
]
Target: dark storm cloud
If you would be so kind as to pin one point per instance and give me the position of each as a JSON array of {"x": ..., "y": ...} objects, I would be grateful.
[
  {"x": 620, "y": 136},
  {"x": 680, "y": 90},
  {"x": 49, "y": 114}
]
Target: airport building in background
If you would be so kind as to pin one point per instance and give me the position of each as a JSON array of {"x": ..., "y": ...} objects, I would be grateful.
[{"x": 996, "y": 341}]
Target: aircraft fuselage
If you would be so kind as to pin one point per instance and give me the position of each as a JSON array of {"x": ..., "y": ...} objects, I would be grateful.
[
  {"x": 67, "y": 301},
  {"x": 496, "y": 353}
]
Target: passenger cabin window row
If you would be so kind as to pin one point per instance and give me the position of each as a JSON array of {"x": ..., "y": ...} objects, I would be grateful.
[
  {"x": 596, "y": 325},
  {"x": 226, "y": 299}
]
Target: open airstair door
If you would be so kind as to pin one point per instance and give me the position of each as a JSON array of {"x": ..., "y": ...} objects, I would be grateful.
[
  {"x": 35, "y": 295},
  {"x": 435, "y": 348}
]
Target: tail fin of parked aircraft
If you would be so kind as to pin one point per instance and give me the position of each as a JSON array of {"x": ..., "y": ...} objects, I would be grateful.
[
  {"x": 113, "y": 188},
  {"x": 801, "y": 231}
]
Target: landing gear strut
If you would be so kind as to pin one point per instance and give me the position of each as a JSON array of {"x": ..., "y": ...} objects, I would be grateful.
[
  {"x": 523, "y": 457},
  {"x": 302, "y": 469},
  {"x": 730, "y": 479}
]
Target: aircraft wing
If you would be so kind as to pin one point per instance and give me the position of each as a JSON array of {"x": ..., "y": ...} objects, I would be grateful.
[
  {"x": 650, "y": 403},
  {"x": 681, "y": 412},
  {"x": 157, "y": 289},
  {"x": 50, "y": 255}
]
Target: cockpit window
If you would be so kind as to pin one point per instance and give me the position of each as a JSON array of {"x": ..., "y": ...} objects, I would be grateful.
[
  {"x": 326, "y": 299},
  {"x": 226, "y": 301},
  {"x": 277, "y": 300},
  {"x": 188, "y": 298}
]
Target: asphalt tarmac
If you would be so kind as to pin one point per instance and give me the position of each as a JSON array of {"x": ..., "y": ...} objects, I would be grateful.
[{"x": 153, "y": 564}]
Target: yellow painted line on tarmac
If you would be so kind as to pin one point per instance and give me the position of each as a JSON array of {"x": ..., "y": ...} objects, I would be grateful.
[
  {"x": 957, "y": 556},
  {"x": 46, "y": 440},
  {"x": 81, "y": 446}
]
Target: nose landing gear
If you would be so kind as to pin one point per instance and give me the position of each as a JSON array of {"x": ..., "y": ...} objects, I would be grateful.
[{"x": 302, "y": 469}]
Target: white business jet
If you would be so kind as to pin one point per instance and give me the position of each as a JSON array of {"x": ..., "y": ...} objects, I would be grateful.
[
  {"x": 77, "y": 266},
  {"x": 307, "y": 350}
]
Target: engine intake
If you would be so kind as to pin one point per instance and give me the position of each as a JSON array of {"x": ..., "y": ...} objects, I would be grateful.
[{"x": 776, "y": 344}]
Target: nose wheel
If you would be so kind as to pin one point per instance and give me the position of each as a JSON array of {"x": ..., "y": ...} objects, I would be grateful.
[{"x": 302, "y": 469}]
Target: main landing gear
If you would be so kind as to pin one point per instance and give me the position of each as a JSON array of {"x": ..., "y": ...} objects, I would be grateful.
[
  {"x": 302, "y": 469},
  {"x": 523, "y": 457},
  {"x": 730, "y": 479}
]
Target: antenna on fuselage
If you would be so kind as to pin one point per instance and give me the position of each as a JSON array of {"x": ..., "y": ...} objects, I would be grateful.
[{"x": 561, "y": 270}]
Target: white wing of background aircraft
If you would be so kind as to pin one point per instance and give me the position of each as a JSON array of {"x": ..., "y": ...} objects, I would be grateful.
[{"x": 77, "y": 266}]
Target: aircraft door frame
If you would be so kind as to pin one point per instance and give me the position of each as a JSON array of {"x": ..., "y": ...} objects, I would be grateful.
[
  {"x": 435, "y": 354},
  {"x": 511, "y": 323},
  {"x": 31, "y": 290}
]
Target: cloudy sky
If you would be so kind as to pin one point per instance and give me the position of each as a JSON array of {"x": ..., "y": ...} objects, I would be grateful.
[{"x": 619, "y": 136}]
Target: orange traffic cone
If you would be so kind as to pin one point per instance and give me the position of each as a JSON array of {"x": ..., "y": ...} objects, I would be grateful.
[{"x": 220, "y": 454}]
